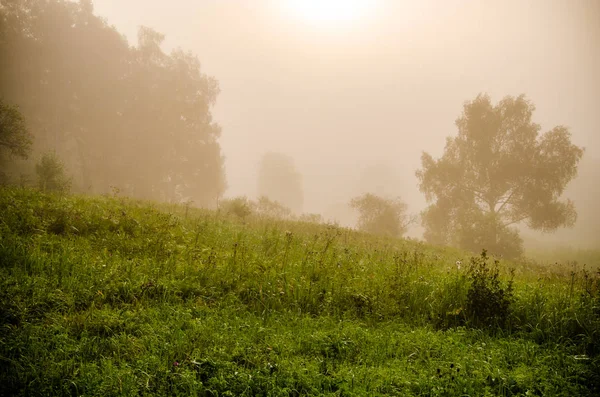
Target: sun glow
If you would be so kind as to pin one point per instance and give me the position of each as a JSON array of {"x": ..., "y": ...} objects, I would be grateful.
[{"x": 330, "y": 13}]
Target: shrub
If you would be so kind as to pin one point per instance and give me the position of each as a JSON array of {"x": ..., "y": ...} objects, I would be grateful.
[
  {"x": 488, "y": 300},
  {"x": 271, "y": 209},
  {"x": 14, "y": 135},
  {"x": 238, "y": 206}
]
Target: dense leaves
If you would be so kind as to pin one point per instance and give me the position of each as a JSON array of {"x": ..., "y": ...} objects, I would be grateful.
[
  {"x": 488, "y": 301},
  {"x": 496, "y": 173},
  {"x": 129, "y": 117},
  {"x": 15, "y": 139},
  {"x": 14, "y": 136}
]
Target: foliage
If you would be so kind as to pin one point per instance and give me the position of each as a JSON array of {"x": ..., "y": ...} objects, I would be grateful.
[
  {"x": 271, "y": 209},
  {"x": 14, "y": 136},
  {"x": 15, "y": 139},
  {"x": 311, "y": 218},
  {"x": 123, "y": 115},
  {"x": 382, "y": 216},
  {"x": 241, "y": 207},
  {"x": 109, "y": 296},
  {"x": 51, "y": 174},
  {"x": 279, "y": 180},
  {"x": 496, "y": 173},
  {"x": 488, "y": 301}
]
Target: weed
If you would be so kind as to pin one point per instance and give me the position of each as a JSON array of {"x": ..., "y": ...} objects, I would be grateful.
[{"x": 488, "y": 300}]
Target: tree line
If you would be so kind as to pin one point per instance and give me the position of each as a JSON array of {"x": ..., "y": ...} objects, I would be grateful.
[{"x": 130, "y": 117}]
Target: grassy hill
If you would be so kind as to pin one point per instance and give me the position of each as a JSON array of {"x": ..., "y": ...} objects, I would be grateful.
[{"x": 107, "y": 296}]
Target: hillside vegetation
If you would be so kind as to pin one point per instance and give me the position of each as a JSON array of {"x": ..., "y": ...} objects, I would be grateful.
[{"x": 105, "y": 296}]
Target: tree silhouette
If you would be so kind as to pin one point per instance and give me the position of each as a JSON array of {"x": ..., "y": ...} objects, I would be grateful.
[{"x": 496, "y": 173}]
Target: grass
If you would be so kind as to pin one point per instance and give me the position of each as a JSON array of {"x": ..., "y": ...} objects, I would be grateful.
[{"x": 110, "y": 296}]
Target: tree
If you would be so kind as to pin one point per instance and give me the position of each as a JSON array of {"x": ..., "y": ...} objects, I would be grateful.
[
  {"x": 51, "y": 174},
  {"x": 497, "y": 173},
  {"x": 279, "y": 181},
  {"x": 382, "y": 216},
  {"x": 14, "y": 136},
  {"x": 119, "y": 115}
]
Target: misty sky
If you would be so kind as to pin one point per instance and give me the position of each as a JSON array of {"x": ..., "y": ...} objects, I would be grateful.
[{"x": 377, "y": 90}]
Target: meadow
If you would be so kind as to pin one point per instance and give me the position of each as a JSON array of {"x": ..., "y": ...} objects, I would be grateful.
[{"x": 107, "y": 296}]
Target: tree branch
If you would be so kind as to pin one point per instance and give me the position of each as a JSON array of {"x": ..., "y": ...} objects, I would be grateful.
[
  {"x": 473, "y": 190},
  {"x": 515, "y": 221},
  {"x": 506, "y": 201}
]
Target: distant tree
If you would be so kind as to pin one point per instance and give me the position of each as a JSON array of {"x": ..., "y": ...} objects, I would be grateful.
[
  {"x": 271, "y": 209},
  {"x": 499, "y": 171},
  {"x": 279, "y": 180},
  {"x": 14, "y": 136},
  {"x": 382, "y": 216},
  {"x": 51, "y": 174}
]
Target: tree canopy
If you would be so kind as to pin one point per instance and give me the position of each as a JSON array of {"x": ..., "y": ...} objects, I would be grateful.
[
  {"x": 381, "y": 216},
  {"x": 132, "y": 117},
  {"x": 498, "y": 172}
]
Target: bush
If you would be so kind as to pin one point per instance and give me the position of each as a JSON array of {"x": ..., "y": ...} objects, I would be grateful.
[
  {"x": 268, "y": 208},
  {"x": 14, "y": 135},
  {"x": 488, "y": 300},
  {"x": 51, "y": 174},
  {"x": 238, "y": 206}
]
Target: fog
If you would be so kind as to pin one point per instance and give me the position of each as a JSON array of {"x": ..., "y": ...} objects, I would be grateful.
[{"x": 346, "y": 98}]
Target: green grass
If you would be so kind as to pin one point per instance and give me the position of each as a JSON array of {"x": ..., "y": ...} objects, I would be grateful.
[{"x": 110, "y": 296}]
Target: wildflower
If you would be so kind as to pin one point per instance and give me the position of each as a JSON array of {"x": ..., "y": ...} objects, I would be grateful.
[
  {"x": 176, "y": 364},
  {"x": 458, "y": 263}
]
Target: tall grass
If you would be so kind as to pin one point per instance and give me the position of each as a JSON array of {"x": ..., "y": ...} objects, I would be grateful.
[{"x": 109, "y": 296}]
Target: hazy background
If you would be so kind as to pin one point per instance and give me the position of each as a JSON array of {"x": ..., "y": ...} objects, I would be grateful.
[{"x": 351, "y": 98}]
